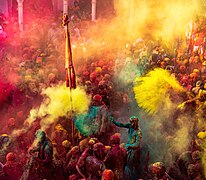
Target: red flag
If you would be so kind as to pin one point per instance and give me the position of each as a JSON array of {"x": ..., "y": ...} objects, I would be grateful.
[{"x": 70, "y": 78}]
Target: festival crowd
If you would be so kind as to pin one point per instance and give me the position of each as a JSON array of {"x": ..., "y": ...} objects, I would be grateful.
[{"x": 32, "y": 61}]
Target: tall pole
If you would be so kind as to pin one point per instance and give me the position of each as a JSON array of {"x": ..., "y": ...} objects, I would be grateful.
[
  {"x": 94, "y": 9},
  {"x": 69, "y": 68},
  {"x": 20, "y": 15}
]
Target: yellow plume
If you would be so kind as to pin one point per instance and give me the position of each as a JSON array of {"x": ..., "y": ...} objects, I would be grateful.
[{"x": 153, "y": 91}]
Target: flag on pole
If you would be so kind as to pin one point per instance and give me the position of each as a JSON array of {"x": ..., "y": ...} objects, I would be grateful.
[
  {"x": 69, "y": 68},
  {"x": 70, "y": 72}
]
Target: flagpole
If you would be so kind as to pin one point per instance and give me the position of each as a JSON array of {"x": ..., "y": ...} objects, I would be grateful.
[{"x": 69, "y": 68}]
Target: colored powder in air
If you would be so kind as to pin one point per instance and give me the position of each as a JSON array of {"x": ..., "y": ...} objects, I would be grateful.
[
  {"x": 58, "y": 102},
  {"x": 85, "y": 123},
  {"x": 152, "y": 92}
]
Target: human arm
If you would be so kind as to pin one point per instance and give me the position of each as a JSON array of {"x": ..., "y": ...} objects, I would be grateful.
[
  {"x": 119, "y": 124},
  {"x": 80, "y": 166},
  {"x": 199, "y": 97}
]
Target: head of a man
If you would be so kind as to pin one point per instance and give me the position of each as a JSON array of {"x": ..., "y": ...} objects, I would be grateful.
[
  {"x": 134, "y": 121},
  {"x": 40, "y": 135}
]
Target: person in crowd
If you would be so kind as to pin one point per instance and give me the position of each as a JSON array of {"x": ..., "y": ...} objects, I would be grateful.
[
  {"x": 198, "y": 86},
  {"x": 72, "y": 158},
  {"x": 42, "y": 155},
  {"x": 195, "y": 169},
  {"x": 6, "y": 145},
  {"x": 87, "y": 152},
  {"x": 94, "y": 164},
  {"x": 13, "y": 168},
  {"x": 103, "y": 92},
  {"x": 107, "y": 175},
  {"x": 184, "y": 159},
  {"x": 159, "y": 171},
  {"x": 116, "y": 158},
  {"x": 58, "y": 136},
  {"x": 194, "y": 172},
  {"x": 99, "y": 118},
  {"x": 133, "y": 146}
]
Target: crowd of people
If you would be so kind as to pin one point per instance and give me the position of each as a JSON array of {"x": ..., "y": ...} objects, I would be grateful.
[{"x": 33, "y": 61}]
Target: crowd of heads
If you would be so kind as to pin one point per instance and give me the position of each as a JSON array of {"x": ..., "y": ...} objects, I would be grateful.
[{"x": 34, "y": 61}]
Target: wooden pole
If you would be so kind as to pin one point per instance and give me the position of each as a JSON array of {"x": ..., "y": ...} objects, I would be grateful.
[{"x": 69, "y": 68}]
